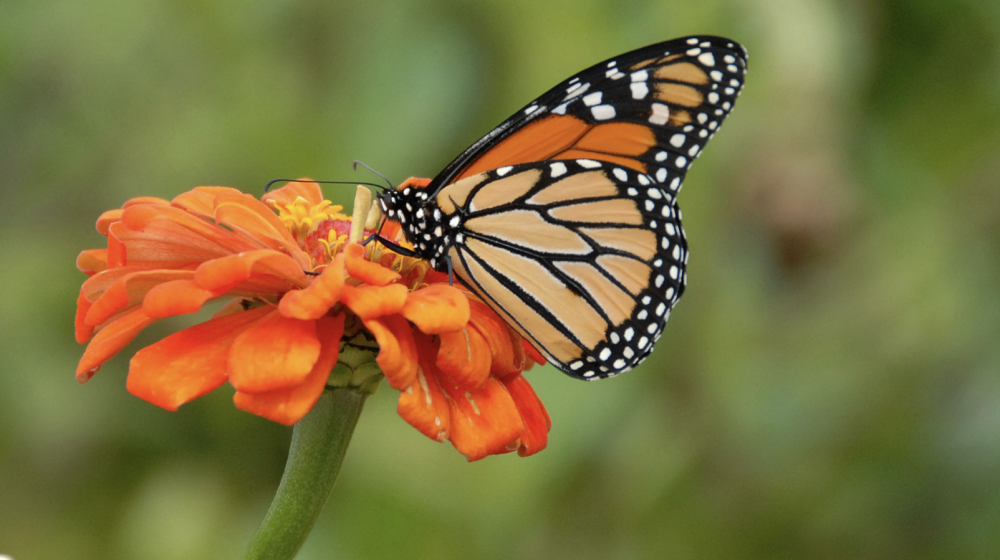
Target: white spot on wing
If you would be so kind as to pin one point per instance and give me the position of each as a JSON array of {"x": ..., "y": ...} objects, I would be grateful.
[
  {"x": 603, "y": 112},
  {"x": 558, "y": 168},
  {"x": 677, "y": 140},
  {"x": 504, "y": 170},
  {"x": 593, "y": 98},
  {"x": 660, "y": 115},
  {"x": 639, "y": 90},
  {"x": 707, "y": 59}
]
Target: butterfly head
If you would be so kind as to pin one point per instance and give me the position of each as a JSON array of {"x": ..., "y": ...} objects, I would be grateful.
[{"x": 423, "y": 223}]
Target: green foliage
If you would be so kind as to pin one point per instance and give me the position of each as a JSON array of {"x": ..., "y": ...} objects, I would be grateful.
[{"x": 828, "y": 388}]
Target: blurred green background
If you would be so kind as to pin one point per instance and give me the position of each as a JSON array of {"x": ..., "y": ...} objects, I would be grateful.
[{"x": 828, "y": 388}]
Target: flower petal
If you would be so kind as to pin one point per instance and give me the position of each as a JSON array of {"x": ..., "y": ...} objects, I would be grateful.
[
  {"x": 288, "y": 406},
  {"x": 536, "y": 419},
  {"x": 164, "y": 243},
  {"x": 109, "y": 341},
  {"x": 92, "y": 261},
  {"x": 275, "y": 353},
  {"x": 483, "y": 422},
  {"x": 531, "y": 352},
  {"x": 177, "y": 297},
  {"x": 252, "y": 218},
  {"x": 316, "y": 299},
  {"x": 201, "y": 200},
  {"x": 397, "y": 354},
  {"x": 437, "y": 308},
  {"x": 189, "y": 363},
  {"x": 129, "y": 291},
  {"x": 224, "y": 274},
  {"x": 105, "y": 220},
  {"x": 83, "y": 331},
  {"x": 367, "y": 271},
  {"x": 116, "y": 250},
  {"x": 424, "y": 406},
  {"x": 506, "y": 359},
  {"x": 309, "y": 190},
  {"x": 464, "y": 358},
  {"x": 370, "y": 302},
  {"x": 141, "y": 217}
]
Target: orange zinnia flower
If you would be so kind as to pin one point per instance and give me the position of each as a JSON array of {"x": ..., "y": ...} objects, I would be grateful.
[{"x": 305, "y": 300}]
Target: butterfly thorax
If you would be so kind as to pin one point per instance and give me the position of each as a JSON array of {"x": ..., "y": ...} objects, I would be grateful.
[{"x": 424, "y": 224}]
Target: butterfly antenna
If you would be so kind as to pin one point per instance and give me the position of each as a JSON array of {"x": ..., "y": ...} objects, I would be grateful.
[
  {"x": 363, "y": 164},
  {"x": 374, "y": 185}
]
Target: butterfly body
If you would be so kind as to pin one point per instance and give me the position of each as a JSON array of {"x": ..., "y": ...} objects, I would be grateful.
[{"x": 564, "y": 218}]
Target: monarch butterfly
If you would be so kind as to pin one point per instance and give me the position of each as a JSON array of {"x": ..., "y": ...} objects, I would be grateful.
[{"x": 564, "y": 218}]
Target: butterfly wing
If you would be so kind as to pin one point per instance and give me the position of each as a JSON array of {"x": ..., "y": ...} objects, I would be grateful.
[
  {"x": 650, "y": 110},
  {"x": 584, "y": 258},
  {"x": 563, "y": 218}
]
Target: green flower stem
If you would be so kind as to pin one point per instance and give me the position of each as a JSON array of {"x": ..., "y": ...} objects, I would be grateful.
[{"x": 319, "y": 442}]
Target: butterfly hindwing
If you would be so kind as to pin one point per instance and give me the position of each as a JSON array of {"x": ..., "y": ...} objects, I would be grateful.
[{"x": 584, "y": 258}]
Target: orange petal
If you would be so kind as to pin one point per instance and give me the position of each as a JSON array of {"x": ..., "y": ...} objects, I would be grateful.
[
  {"x": 92, "y": 261},
  {"x": 227, "y": 273},
  {"x": 536, "y": 419},
  {"x": 112, "y": 338},
  {"x": 105, "y": 220},
  {"x": 288, "y": 406},
  {"x": 164, "y": 243},
  {"x": 397, "y": 354},
  {"x": 315, "y": 300},
  {"x": 145, "y": 200},
  {"x": 437, "y": 308},
  {"x": 464, "y": 358},
  {"x": 275, "y": 353},
  {"x": 504, "y": 359},
  {"x": 189, "y": 363},
  {"x": 129, "y": 291},
  {"x": 202, "y": 232},
  {"x": 201, "y": 200},
  {"x": 370, "y": 302},
  {"x": 309, "y": 190},
  {"x": 252, "y": 218},
  {"x": 483, "y": 422},
  {"x": 97, "y": 284},
  {"x": 530, "y": 352},
  {"x": 83, "y": 330},
  {"x": 367, "y": 271},
  {"x": 425, "y": 407},
  {"x": 178, "y": 297},
  {"x": 116, "y": 251}
]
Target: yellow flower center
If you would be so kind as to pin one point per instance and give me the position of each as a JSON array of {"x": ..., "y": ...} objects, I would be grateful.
[{"x": 301, "y": 217}]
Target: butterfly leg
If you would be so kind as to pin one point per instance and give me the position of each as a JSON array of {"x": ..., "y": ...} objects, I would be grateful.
[
  {"x": 401, "y": 250},
  {"x": 451, "y": 271}
]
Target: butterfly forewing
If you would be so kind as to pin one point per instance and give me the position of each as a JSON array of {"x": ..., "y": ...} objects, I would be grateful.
[{"x": 651, "y": 110}]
